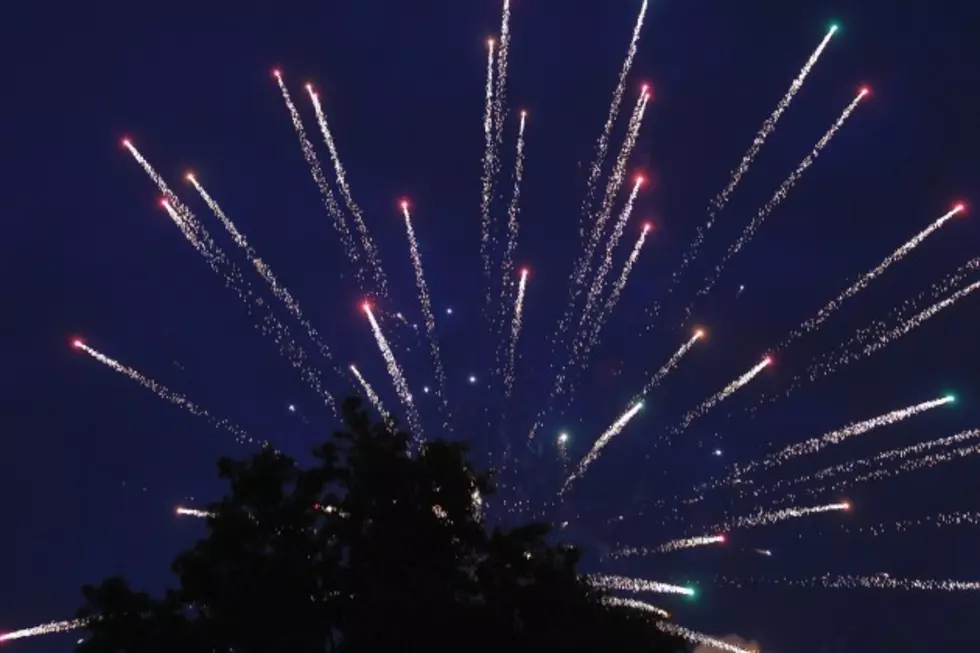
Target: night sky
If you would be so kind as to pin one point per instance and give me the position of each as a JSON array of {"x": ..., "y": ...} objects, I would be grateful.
[{"x": 91, "y": 465}]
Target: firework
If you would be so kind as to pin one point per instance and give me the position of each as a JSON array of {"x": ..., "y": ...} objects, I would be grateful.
[
  {"x": 618, "y": 287},
  {"x": 513, "y": 227},
  {"x": 673, "y": 545},
  {"x": 814, "y": 445},
  {"x": 701, "y": 638},
  {"x": 671, "y": 364},
  {"x": 879, "y": 581},
  {"x": 191, "y": 512},
  {"x": 637, "y": 585},
  {"x": 326, "y": 193},
  {"x": 615, "y": 429},
  {"x": 618, "y": 602},
  {"x": 370, "y": 252},
  {"x": 430, "y": 318},
  {"x": 165, "y": 393},
  {"x": 769, "y": 517},
  {"x": 44, "y": 629},
  {"x": 602, "y": 146},
  {"x": 279, "y": 290},
  {"x": 372, "y": 396},
  {"x": 500, "y": 93},
  {"x": 721, "y": 395},
  {"x": 397, "y": 377},
  {"x": 868, "y": 277},
  {"x": 515, "y": 330},
  {"x": 779, "y": 196},
  {"x": 720, "y": 200},
  {"x": 489, "y": 165}
]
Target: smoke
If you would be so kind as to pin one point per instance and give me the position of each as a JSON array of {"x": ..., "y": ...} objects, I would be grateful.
[{"x": 730, "y": 639}]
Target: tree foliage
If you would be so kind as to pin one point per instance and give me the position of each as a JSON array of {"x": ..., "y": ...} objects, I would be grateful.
[{"x": 369, "y": 549}]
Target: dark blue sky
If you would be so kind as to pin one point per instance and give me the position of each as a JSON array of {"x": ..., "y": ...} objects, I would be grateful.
[{"x": 91, "y": 465}]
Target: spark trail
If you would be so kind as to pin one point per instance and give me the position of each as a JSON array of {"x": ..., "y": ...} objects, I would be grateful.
[
  {"x": 778, "y": 197},
  {"x": 701, "y": 638},
  {"x": 326, "y": 193},
  {"x": 598, "y": 284},
  {"x": 637, "y": 585},
  {"x": 193, "y": 512},
  {"x": 167, "y": 394},
  {"x": 515, "y": 331},
  {"x": 430, "y": 319},
  {"x": 673, "y": 545},
  {"x": 370, "y": 251},
  {"x": 617, "y": 289},
  {"x": 721, "y": 395},
  {"x": 397, "y": 378},
  {"x": 489, "y": 165},
  {"x": 769, "y": 517},
  {"x": 44, "y": 629},
  {"x": 721, "y": 200},
  {"x": 813, "y": 445},
  {"x": 868, "y": 277},
  {"x": 500, "y": 94},
  {"x": 615, "y": 429},
  {"x": 279, "y": 290},
  {"x": 634, "y": 604},
  {"x": 671, "y": 364},
  {"x": 372, "y": 396},
  {"x": 199, "y": 237},
  {"x": 602, "y": 146},
  {"x": 881, "y": 581},
  {"x": 513, "y": 227}
]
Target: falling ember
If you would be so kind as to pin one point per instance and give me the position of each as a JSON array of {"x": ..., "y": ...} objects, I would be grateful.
[
  {"x": 489, "y": 165},
  {"x": 370, "y": 251},
  {"x": 701, "y": 638},
  {"x": 814, "y": 445},
  {"x": 602, "y": 146},
  {"x": 191, "y": 512},
  {"x": 430, "y": 319},
  {"x": 372, "y": 396},
  {"x": 721, "y": 395},
  {"x": 168, "y": 395},
  {"x": 44, "y": 629},
  {"x": 515, "y": 331},
  {"x": 671, "y": 363},
  {"x": 636, "y": 585},
  {"x": 868, "y": 277},
  {"x": 326, "y": 193},
  {"x": 721, "y": 200},
  {"x": 781, "y": 193},
  {"x": 769, "y": 517},
  {"x": 279, "y": 290},
  {"x": 615, "y": 429},
  {"x": 598, "y": 284},
  {"x": 513, "y": 227},
  {"x": 673, "y": 545},
  {"x": 397, "y": 378},
  {"x": 618, "y": 602}
]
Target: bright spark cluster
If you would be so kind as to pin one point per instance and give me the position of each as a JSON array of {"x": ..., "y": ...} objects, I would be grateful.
[
  {"x": 868, "y": 277},
  {"x": 615, "y": 429},
  {"x": 635, "y": 604},
  {"x": 370, "y": 251},
  {"x": 165, "y": 393},
  {"x": 372, "y": 396},
  {"x": 430, "y": 319},
  {"x": 673, "y": 545},
  {"x": 192, "y": 512},
  {"x": 515, "y": 332},
  {"x": 781, "y": 193},
  {"x": 44, "y": 629},
  {"x": 721, "y": 395},
  {"x": 637, "y": 585},
  {"x": 721, "y": 200},
  {"x": 397, "y": 377},
  {"x": 326, "y": 193},
  {"x": 701, "y": 638}
]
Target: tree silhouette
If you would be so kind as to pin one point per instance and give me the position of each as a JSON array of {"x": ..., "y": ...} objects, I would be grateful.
[{"x": 369, "y": 549}]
